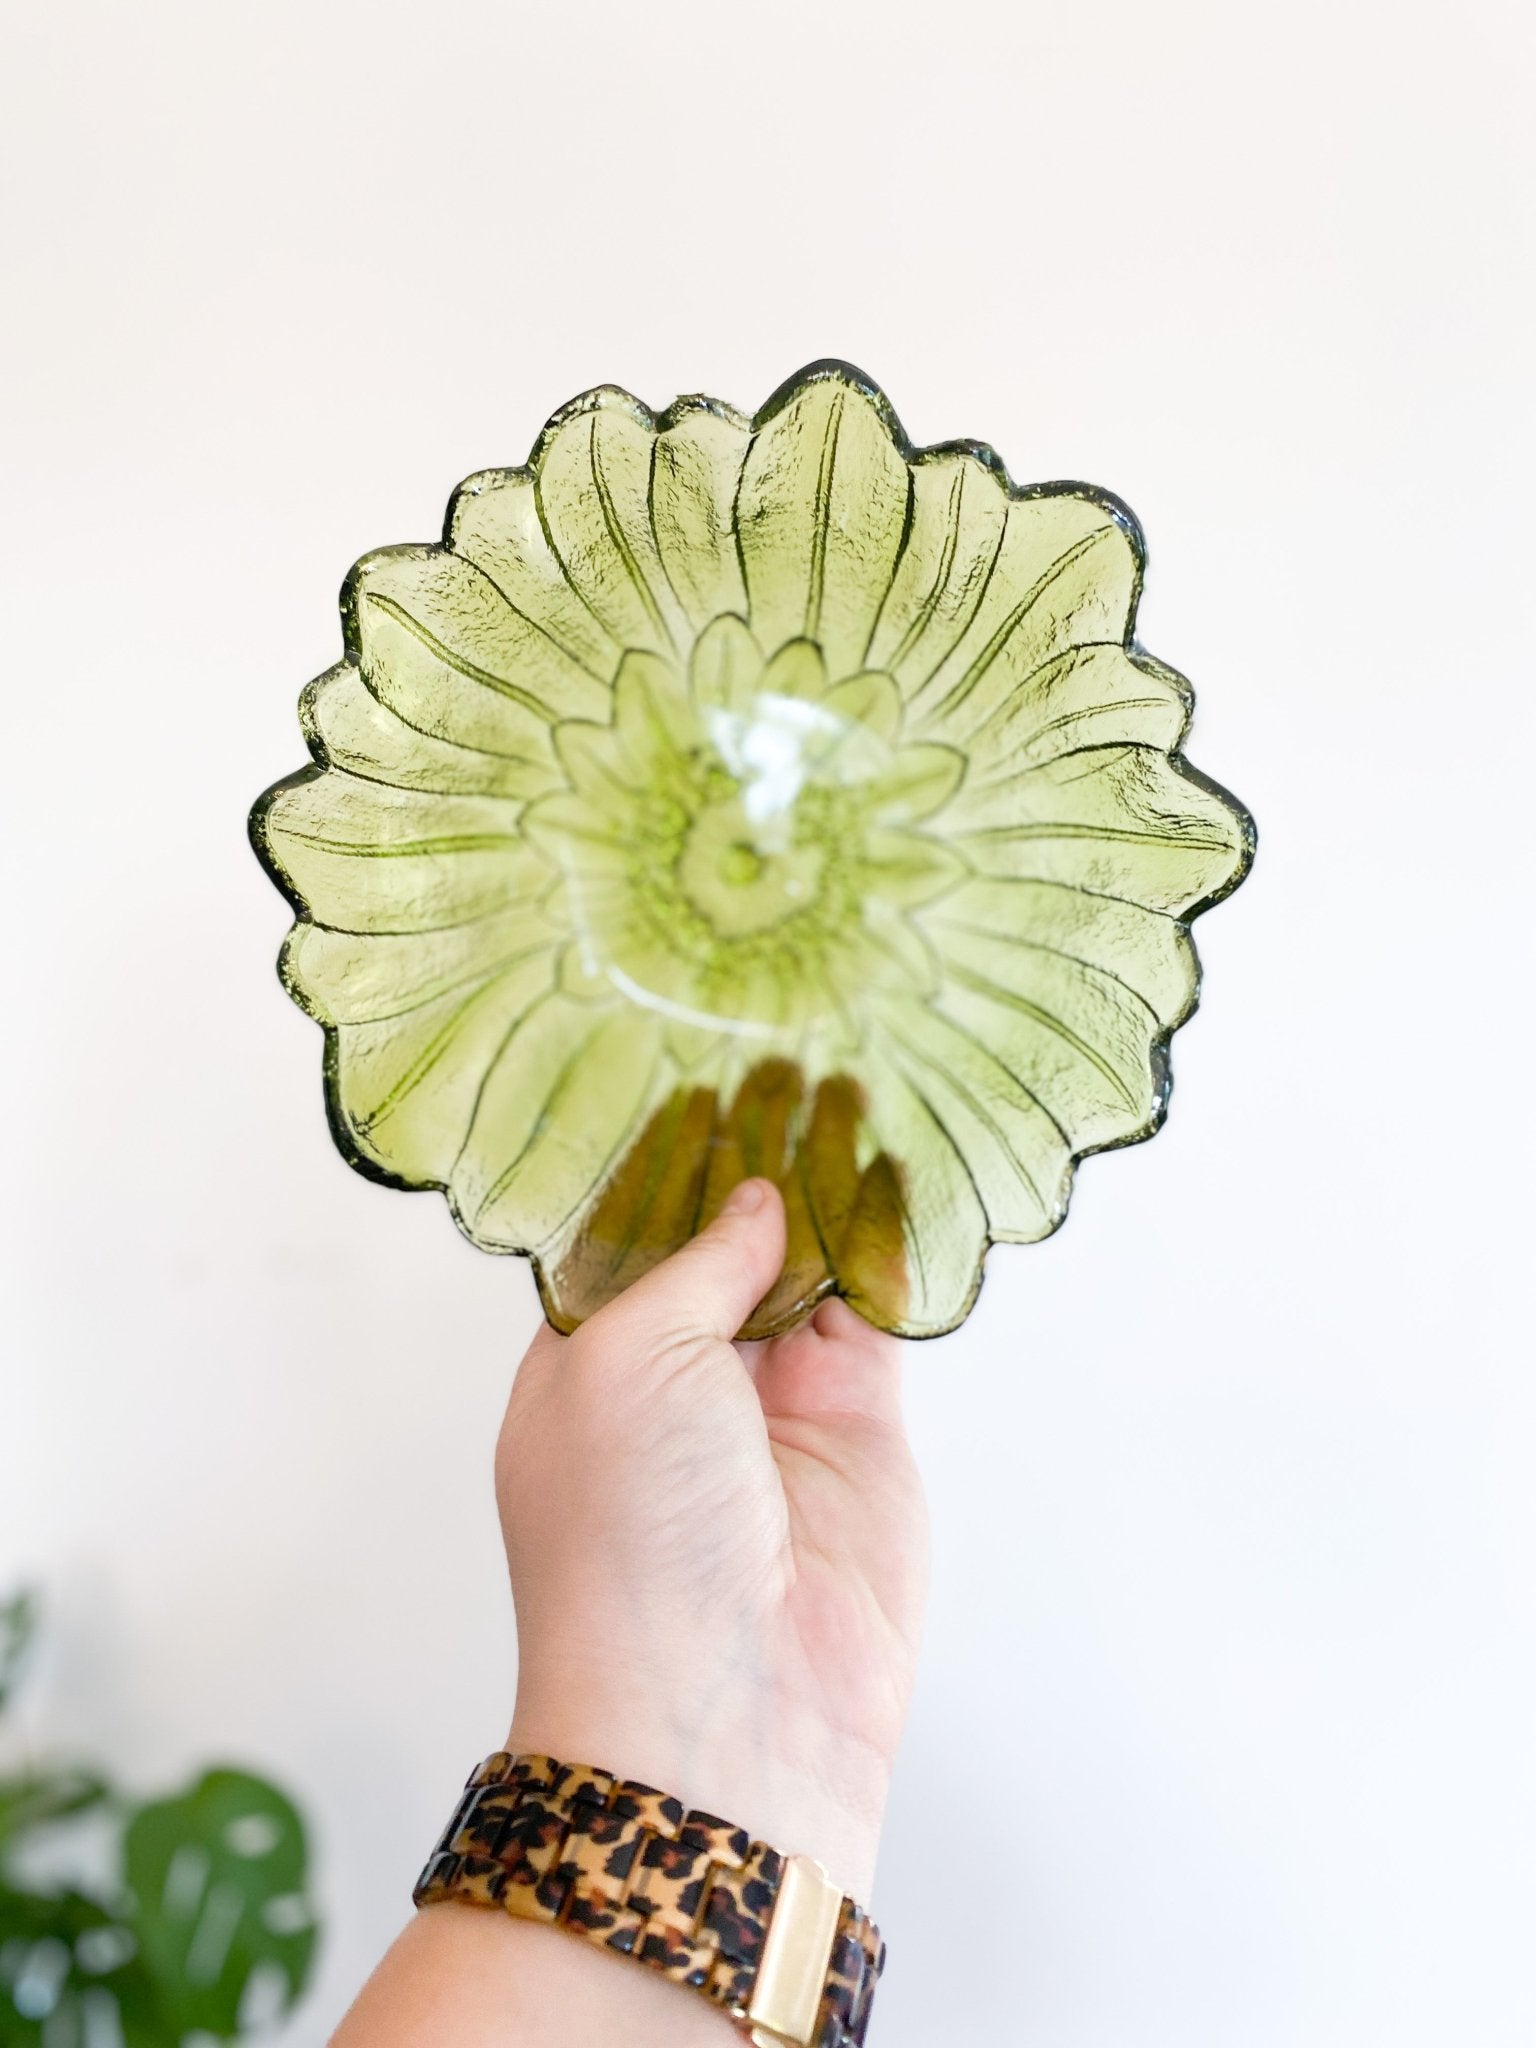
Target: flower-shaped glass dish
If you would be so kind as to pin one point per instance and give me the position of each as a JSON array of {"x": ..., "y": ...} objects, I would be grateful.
[{"x": 730, "y": 797}]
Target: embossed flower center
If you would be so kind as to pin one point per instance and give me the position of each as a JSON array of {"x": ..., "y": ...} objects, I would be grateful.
[
  {"x": 733, "y": 844},
  {"x": 745, "y": 877}
]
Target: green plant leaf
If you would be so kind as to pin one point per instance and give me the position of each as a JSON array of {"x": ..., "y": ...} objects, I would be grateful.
[
  {"x": 71, "y": 1975},
  {"x": 18, "y": 1626},
  {"x": 218, "y": 1883},
  {"x": 39, "y": 1797}
]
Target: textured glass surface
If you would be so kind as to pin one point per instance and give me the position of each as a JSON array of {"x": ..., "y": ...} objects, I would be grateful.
[{"x": 734, "y": 796}]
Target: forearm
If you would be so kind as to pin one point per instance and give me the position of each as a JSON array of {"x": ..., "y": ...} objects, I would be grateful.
[
  {"x": 476, "y": 1978},
  {"x": 480, "y": 1978}
]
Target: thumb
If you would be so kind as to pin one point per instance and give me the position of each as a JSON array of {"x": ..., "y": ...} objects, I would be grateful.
[{"x": 711, "y": 1286}]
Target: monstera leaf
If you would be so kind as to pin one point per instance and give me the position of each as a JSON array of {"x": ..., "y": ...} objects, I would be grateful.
[
  {"x": 213, "y": 1932},
  {"x": 219, "y": 1908},
  {"x": 71, "y": 1976},
  {"x": 205, "y": 1931}
]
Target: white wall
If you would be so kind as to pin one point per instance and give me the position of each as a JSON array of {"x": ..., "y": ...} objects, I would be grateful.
[{"x": 1225, "y": 1721}]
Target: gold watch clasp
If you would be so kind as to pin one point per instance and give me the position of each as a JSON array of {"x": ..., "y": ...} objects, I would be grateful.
[{"x": 796, "y": 1954}]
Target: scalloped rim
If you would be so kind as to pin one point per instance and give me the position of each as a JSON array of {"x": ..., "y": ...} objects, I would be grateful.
[{"x": 603, "y": 395}]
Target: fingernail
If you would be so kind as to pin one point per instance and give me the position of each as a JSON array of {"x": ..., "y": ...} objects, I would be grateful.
[{"x": 745, "y": 1198}]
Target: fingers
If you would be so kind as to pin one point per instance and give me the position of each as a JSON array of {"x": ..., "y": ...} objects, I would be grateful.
[
  {"x": 833, "y": 1365},
  {"x": 543, "y": 1348},
  {"x": 711, "y": 1286}
]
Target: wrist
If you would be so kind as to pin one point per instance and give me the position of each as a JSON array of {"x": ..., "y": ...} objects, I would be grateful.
[
  {"x": 767, "y": 1939},
  {"x": 808, "y": 1792}
]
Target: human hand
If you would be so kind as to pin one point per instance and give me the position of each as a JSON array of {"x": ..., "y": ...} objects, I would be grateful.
[
  {"x": 719, "y": 1553},
  {"x": 719, "y": 1559}
]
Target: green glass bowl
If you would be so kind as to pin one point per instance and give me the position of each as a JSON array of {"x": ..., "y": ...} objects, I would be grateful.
[{"x": 730, "y": 797}]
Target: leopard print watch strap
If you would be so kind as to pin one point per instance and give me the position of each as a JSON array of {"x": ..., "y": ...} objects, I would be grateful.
[{"x": 763, "y": 1935}]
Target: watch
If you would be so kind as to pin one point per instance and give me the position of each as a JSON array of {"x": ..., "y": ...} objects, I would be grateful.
[{"x": 769, "y": 1938}]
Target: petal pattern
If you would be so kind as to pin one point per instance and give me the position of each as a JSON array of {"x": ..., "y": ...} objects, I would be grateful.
[
  {"x": 1119, "y": 821},
  {"x": 695, "y": 475},
  {"x": 675, "y": 1178},
  {"x": 731, "y": 797},
  {"x": 347, "y": 978},
  {"x": 442, "y": 647},
  {"x": 1086, "y": 1043},
  {"x": 1150, "y": 952},
  {"x": 349, "y": 728},
  {"x": 1098, "y": 694},
  {"x": 561, "y": 1095},
  {"x": 1065, "y": 576},
  {"x": 594, "y": 491},
  {"x": 406, "y": 1085},
  {"x": 959, "y": 514},
  {"x": 364, "y": 857},
  {"x": 1020, "y": 1157},
  {"x": 916, "y": 1198},
  {"x": 820, "y": 517},
  {"x": 725, "y": 667},
  {"x": 495, "y": 523}
]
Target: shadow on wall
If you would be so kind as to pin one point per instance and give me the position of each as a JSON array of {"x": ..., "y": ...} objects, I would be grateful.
[{"x": 140, "y": 1924}]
